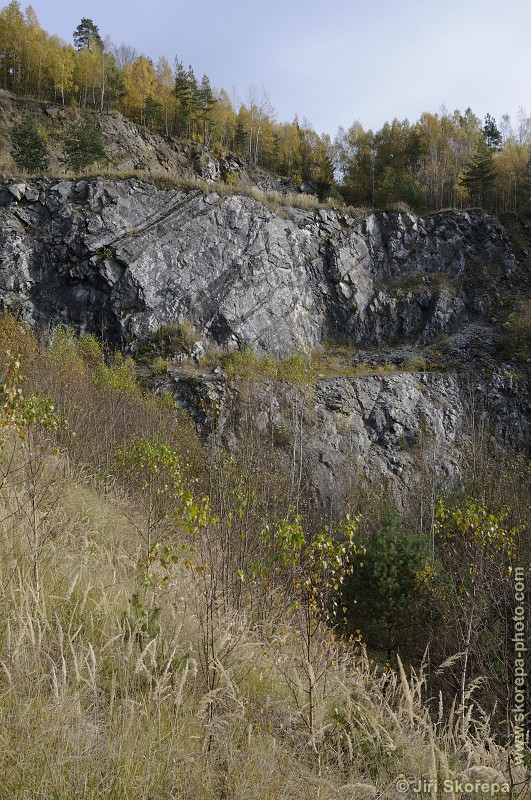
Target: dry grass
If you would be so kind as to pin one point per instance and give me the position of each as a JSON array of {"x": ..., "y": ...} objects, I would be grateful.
[
  {"x": 106, "y": 696},
  {"x": 186, "y": 682},
  {"x": 304, "y": 367},
  {"x": 274, "y": 201}
]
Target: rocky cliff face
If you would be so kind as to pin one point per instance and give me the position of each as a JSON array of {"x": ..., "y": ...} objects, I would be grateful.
[
  {"x": 345, "y": 431},
  {"x": 123, "y": 258}
]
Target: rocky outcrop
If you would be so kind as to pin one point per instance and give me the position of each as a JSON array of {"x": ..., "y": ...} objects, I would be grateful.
[
  {"x": 363, "y": 428},
  {"x": 132, "y": 148},
  {"x": 123, "y": 258}
]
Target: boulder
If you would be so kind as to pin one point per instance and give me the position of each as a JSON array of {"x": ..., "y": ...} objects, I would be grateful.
[{"x": 17, "y": 190}]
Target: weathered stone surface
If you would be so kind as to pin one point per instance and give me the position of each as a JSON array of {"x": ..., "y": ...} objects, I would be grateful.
[
  {"x": 372, "y": 427},
  {"x": 131, "y": 148},
  {"x": 17, "y": 190},
  {"x": 31, "y": 194},
  {"x": 123, "y": 258},
  {"x": 241, "y": 273}
]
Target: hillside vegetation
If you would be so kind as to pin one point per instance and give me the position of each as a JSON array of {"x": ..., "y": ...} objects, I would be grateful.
[
  {"x": 176, "y": 623},
  {"x": 444, "y": 159}
]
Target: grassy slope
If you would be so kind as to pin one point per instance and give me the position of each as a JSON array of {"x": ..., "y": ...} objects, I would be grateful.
[
  {"x": 112, "y": 686},
  {"x": 93, "y": 705}
]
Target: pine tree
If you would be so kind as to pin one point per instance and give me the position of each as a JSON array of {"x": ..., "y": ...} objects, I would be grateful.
[
  {"x": 240, "y": 138},
  {"x": 205, "y": 100},
  {"x": 492, "y": 133},
  {"x": 479, "y": 175},
  {"x": 29, "y": 149},
  {"x": 83, "y": 143},
  {"x": 87, "y": 36},
  {"x": 383, "y": 589},
  {"x": 192, "y": 102},
  {"x": 152, "y": 113},
  {"x": 181, "y": 93}
]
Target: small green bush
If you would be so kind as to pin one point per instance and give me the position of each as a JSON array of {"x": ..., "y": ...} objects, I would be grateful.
[
  {"x": 231, "y": 179},
  {"x": 416, "y": 364},
  {"x": 120, "y": 376},
  {"x": 90, "y": 349},
  {"x": 83, "y": 142},
  {"x": 518, "y": 332},
  {"x": 299, "y": 368},
  {"x": 160, "y": 365},
  {"x": 29, "y": 150},
  {"x": 17, "y": 338},
  {"x": 385, "y": 584},
  {"x": 105, "y": 253},
  {"x": 242, "y": 364}
]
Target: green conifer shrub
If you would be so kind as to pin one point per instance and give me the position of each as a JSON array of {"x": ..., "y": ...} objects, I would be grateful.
[
  {"x": 387, "y": 578},
  {"x": 83, "y": 142},
  {"x": 29, "y": 149}
]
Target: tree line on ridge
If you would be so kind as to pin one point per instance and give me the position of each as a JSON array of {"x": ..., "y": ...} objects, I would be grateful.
[{"x": 442, "y": 160}]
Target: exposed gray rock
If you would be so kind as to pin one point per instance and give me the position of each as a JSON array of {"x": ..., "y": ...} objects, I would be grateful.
[
  {"x": 32, "y": 195},
  {"x": 130, "y": 147},
  {"x": 123, "y": 258},
  {"x": 372, "y": 427},
  {"x": 272, "y": 183},
  {"x": 242, "y": 274},
  {"x": 208, "y": 168},
  {"x": 134, "y": 148},
  {"x": 17, "y": 190}
]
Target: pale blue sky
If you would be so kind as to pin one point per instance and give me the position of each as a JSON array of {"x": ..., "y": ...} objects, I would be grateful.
[{"x": 332, "y": 62}]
